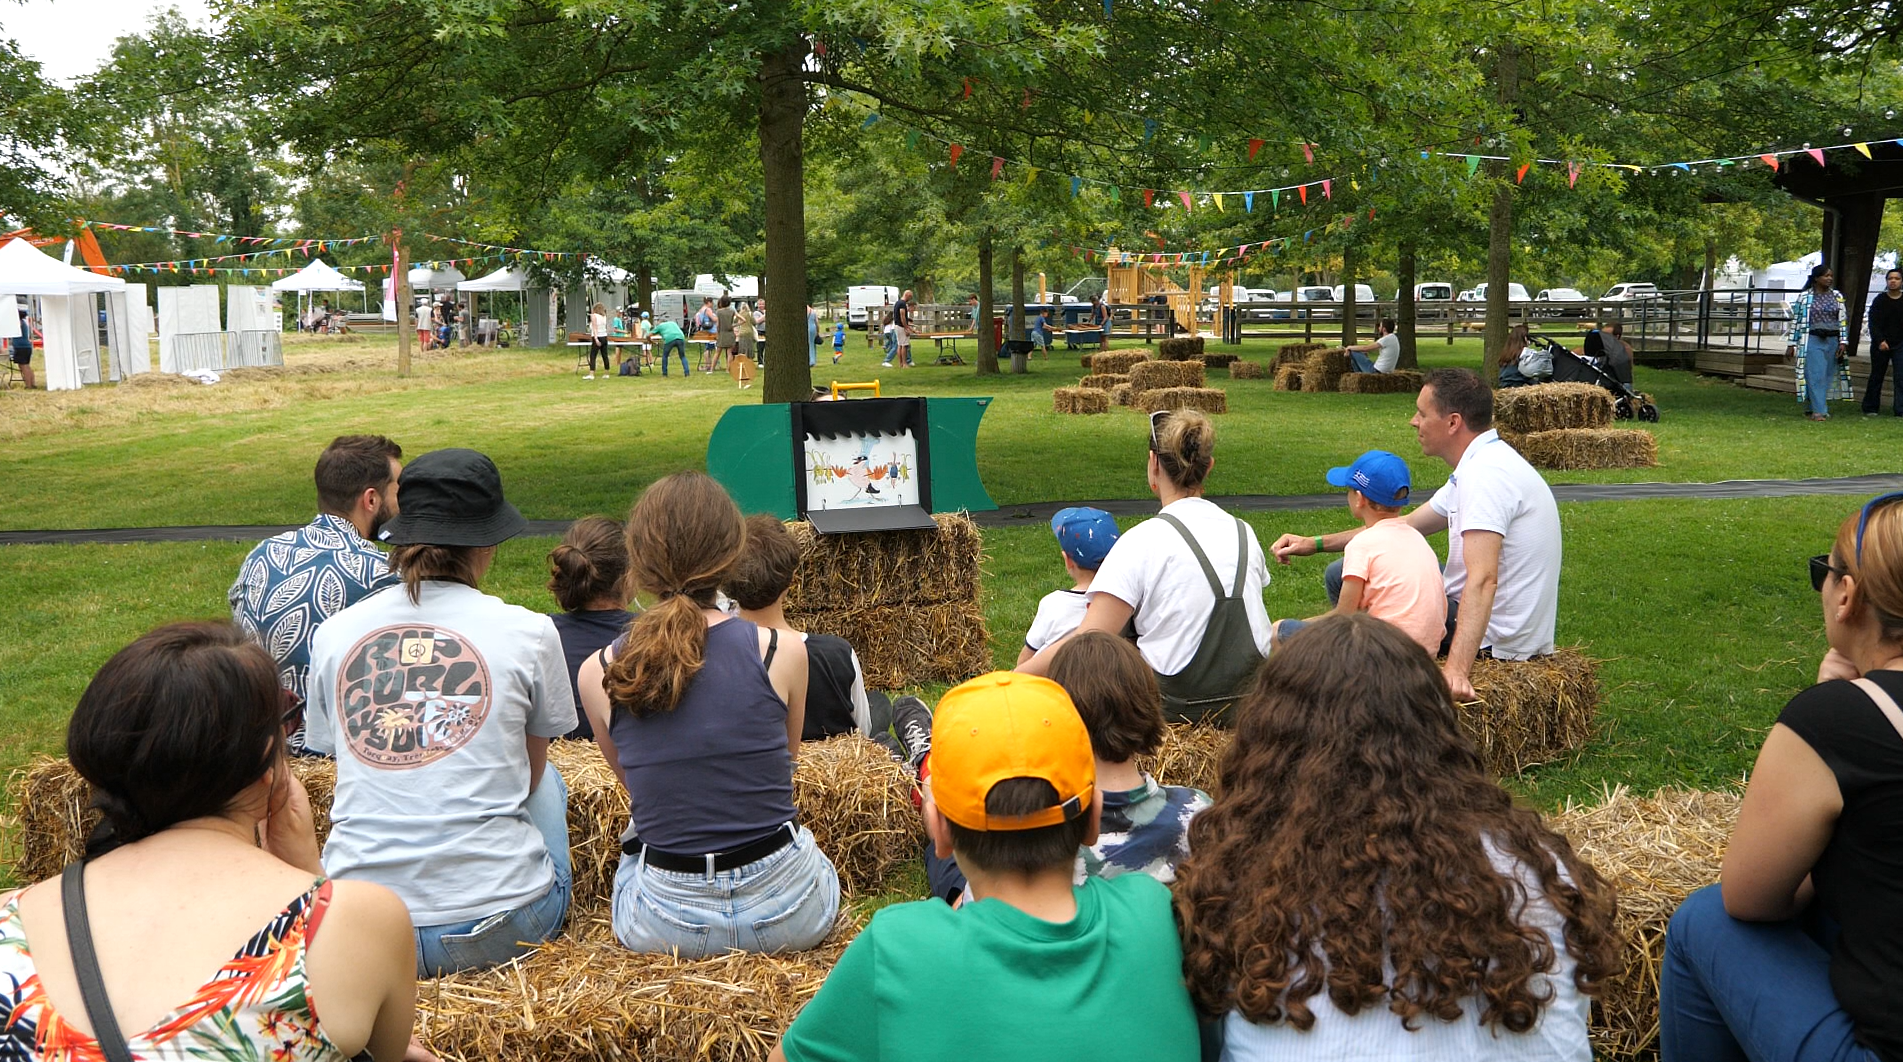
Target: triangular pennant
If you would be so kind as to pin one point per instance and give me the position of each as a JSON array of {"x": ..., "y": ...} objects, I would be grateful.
[
  {"x": 1308, "y": 152},
  {"x": 956, "y": 150},
  {"x": 1275, "y": 198},
  {"x": 1149, "y": 129},
  {"x": 1188, "y": 204},
  {"x": 1218, "y": 198},
  {"x": 1248, "y": 202},
  {"x": 1686, "y": 166},
  {"x": 1148, "y": 195},
  {"x": 1572, "y": 174},
  {"x": 1076, "y": 185},
  {"x": 1816, "y": 153},
  {"x": 997, "y": 167},
  {"x": 1031, "y": 175},
  {"x": 871, "y": 120},
  {"x": 1863, "y": 148},
  {"x": 1473, "y": 163},
  {"x": 911, "y": 140},
  {"x": 1116, "y": 194},
  {"x": 1370, "y": 213},
  {"x": 967, "y": 88},
  {"x": 1302, "y": 190},
  {"x": 1255, "y": 145},
  {"x": 1202, "y": 142},
  {"x": 1328, "y": 189},
  {"x": 1519, "y": 175}
]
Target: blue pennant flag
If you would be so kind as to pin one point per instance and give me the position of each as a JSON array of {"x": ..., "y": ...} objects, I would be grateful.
[
  {"x": 1076, "y": 183},
  {"x": 871, "y": 120},
  {"x": 1248, "y": 202}
]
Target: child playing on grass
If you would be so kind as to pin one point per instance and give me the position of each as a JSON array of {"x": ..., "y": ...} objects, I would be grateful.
[
  {"x": 1084, "y": 535},
  {"x": 839, "y": 340},
  {"x": 1145, "y": 826},
  {"x": 1388, "y": 571},
  {"x": 1032, "y": 967}
]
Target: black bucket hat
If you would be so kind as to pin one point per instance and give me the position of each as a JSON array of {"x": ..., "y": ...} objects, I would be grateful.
[{"x": 452, "y": 498}]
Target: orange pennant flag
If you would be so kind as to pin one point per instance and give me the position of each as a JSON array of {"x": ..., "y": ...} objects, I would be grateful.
[
  {"x": 956, "y": 150},
  {"x": 1520, "y": 175},
  {"x": 1303, "y": 190},
  {"x": 1255, "y": 145},
  {"x": 1770, "y": 160}
]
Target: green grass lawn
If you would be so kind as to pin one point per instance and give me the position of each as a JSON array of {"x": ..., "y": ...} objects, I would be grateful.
[{"x": 1700, "y": 610}]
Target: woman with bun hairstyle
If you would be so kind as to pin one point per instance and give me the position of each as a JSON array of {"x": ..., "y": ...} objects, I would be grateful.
[
  {"x": 700, "y": 713},
  {"x": 1188, "y": 583},
  {"x": 588, "y": 574},
  {"x": 1363, "y": 888},
  {"x": 1797, "y": 952},
  {"x": 205, "y": 863}
]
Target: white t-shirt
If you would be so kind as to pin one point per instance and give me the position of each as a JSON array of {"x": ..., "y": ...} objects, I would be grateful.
[
  {"x": 1494, "y": 489},
  {"x": 1376, "y": 1033},
  {"x": 427, "y": 708},
  {"x": 1058, "y": 614},
  {"x": 1152, "y": 570},
  {"x": 1389, "y": 353}
]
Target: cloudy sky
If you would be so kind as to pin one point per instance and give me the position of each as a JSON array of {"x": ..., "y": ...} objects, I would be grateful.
[{"x": 71, "y": 38}]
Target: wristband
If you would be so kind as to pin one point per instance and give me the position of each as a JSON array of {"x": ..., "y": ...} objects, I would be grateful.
[{"x": 1319, "y": 548}]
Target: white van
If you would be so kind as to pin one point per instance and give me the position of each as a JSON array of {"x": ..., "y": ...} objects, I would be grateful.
[
  {"x": 1363, "y": 293},
  {"x": 1434, "y": 291},
  {"x": 675, "y": 304},
  {"x": 864, "y": 298},
  {"x": 1515, "y": 293},
  {"x": 737, "y": 287}
]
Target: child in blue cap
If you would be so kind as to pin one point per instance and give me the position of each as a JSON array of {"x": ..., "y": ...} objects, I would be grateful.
[
  {"x": 1388, "y": 570},
  {"x": 839, "y": 340},
  {"x": 1085, "y": 536}
]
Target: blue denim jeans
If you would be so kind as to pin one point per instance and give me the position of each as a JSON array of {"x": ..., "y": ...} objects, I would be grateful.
[
  {"x": 1820, "y": 371},
  {"x": 1361, "y": 362},
  {"x": 1732, "y": 991},
  {"x": 674, "y": 346},
  {"x": 497, "y": 938},
  {"x": 784, "y": 902}
]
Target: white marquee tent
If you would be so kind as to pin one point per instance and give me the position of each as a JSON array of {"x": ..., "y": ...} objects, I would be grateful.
[
  {"x": 423, "y": 278},
  {"x": 318, "y": 276},
  {"x": 26, "y": 270},
  {"x": 500, "y": 280}
]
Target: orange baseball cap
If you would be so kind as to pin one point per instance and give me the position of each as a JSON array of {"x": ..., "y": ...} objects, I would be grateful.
[{"x": 1008, "y": 725}]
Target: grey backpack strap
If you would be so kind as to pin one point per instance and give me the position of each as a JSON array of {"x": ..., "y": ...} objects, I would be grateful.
[
  {"x": 92, "y": 987},
  {"x": 1883, "y": 701},
  {"x": 1209, "y": 570},
  {"x": 1242, "y": 557}
]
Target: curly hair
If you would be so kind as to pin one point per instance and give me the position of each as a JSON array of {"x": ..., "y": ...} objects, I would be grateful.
[{"x": 1349, "y": 852}]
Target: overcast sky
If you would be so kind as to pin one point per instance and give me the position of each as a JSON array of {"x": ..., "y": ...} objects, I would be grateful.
[{"x": 71, "y": 38}]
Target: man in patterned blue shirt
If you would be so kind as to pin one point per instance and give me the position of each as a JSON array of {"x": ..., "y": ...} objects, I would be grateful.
[{"x": 292, "y": 582}]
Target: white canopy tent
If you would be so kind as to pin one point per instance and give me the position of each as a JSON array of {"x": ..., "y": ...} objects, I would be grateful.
[
  {"x": 424, "y": 278},
  {"x": 26, "y": 270},
  {"x": 318, "y": 276},
  {"x": 500, "y": 280}
]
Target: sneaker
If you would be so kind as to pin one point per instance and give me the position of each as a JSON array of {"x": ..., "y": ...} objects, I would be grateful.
[
  {"x": 885, "y": 365},
  {"x": 590, "y": 376},
  {"x": 835, "y": 359},
  {"x": 912, "y": 722}
]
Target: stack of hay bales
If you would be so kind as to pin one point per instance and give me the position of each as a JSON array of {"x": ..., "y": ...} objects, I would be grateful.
[
  {"x": 1152, "y": 375},
  {"x": 1295, "y": 353},
  {"x": 906, "y": 600},
  {"x": 1324, "y": 369},
  {"x": 1400, "y": 381},
  {"x": 1288, "y": 377},
  {"x": 1104, "y": 381},
  {"x": 1081, "y": 400},
  {"x": 1245, "y": 370},
  {"x": 1655, "y": 851},
  {"x": 1120, "y": 394},
  {"x": 1180, "y": 348},
  {"x": 1115, "y": 361},
  {"x": 1569, "y": 426},
  {"x": 1173, "y": 385}
]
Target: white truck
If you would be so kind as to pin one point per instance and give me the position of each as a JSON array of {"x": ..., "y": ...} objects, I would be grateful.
[{"x": 864, "y": 299}]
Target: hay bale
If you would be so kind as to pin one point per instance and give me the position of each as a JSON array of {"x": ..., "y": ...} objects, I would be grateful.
[
  {"x": 1180, "y": 348},
  {"x": 886, "y": 568},
  {"x": 1400, "y": 381},
  {"x": 1120, "y": 394},
  {"x": 1245, "y": 370},
  {"x": 1220, "y": 361},
  {"x": 583, "y": 997},
  {"x": 1295, "y": 353},
  {"x": 909, "y": 646},
  {"x": 1529, "y": 712},
  {"x": 1080, "y": 400},
  {"x": 1104, "y": 381},
  {"x": 1579, "y": 448},
  {"x": 1545, "y": 407},
  {"x": 1288, "y": 378},
  {"x": 1190, "y": 755},
  {"x": 1207, "y": 399},
  {"x": 1114, "y": 362},
  {"x": 1154, "y": 375},
  {"x": 1656, "y": 851},
  {"x": 1324, "y": 369}
]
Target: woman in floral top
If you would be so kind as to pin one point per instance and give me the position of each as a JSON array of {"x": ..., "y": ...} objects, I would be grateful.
[
  {"x": 206, "y": 860},
  {"x": 1816, "y": 340}
]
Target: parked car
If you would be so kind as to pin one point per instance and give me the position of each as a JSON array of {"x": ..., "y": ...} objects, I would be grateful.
[
  {"x": 1434, "y": 291},
  {"x": 1629, "y": 291},
  {"x": 1515, "y": 293},
  {"x": 1562, "y": 295}
]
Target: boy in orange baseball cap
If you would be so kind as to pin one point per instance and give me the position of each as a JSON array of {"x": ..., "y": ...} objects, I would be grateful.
[{"x": 1030, "y": 968}]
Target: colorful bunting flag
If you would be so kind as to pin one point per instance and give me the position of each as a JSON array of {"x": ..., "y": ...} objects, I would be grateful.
[
  {"x": 1076, "y": 185},
  {"x": 1218, "y": 198},
  {"x": 1248, "y": 202},
  {"x": 1149, "y": 129},
  {"x": 1520, "y": 174},
  {"x": 956, "y": 150},
  {"x": 1187, "y": 203},
  {"x": 1473, "y": 163},
  {"x": 1771, "y": 161},
  {"x": 1308, "y": 152},
  {"x": 997, "y": 167},
  {"x": 1255, "y": 145},
  {"x": 1572, "y": 174},
  {"x": 1863, "y": 148},
  {"x": 1816, "y": 153},
  {"x": 1328, "y": 189},
  {"x": 1148, "y": 194},
  {"x": 1303, "y": 190},
  {"x": 871, "y": 120}
]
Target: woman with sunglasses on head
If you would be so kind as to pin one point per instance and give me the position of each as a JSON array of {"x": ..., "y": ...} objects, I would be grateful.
[
  {"x": 1798, "y": 952},
  {"x": 1189, "y": 583},
  {"x": 205, "y": 863}
]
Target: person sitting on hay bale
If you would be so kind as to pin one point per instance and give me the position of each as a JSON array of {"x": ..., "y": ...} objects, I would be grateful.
[
  {"x": 1523, "y": 361},
  {"x": 1145, "y": 826},
  {"x": 206, "y": 855},
  {"x": 1316, "y": 926},
  {"x": 699, "y": 713},
  {"x": 1798, "y": 953},
  {"x": 1502, "y": 524},
  {"x": 588, "y": 574},
  {"x": 1034, "y": 967},
  {"x": 447, "y": 796},
  {"x": 1386, "y": 348},
  {"x": 1084, "y": 537},
  {"x": 332, "y": 559},
  {"x": 1191, "y": 580},
  {"x": 1388, "y": 570}
]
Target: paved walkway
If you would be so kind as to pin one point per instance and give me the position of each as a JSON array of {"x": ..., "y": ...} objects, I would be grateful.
[{"x": 1031, "y": 513}]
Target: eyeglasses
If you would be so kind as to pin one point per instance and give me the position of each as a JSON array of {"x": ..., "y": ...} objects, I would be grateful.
[
  {"x": 1821, "y": 569},
  {"x": 292, "y": 707},
  {"x": 1156, "y": 420},
  {"x": 1863, "y": 518}
]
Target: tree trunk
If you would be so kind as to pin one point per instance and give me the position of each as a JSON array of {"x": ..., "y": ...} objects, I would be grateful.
[
  {"x": 1500, "y": 231},
  {"x": 782, "y": 166},
  {"x": 643, "y": 287},
  {"x": 1348, "y": 266},
  {"x": 401, "y": 292},
  {"x": 985, "y": 318},
  {"x": 1405, "y": 310},
  {"x": 1019, "y": 363}
]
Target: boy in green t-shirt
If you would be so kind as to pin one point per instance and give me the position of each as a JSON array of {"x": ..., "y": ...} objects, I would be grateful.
[{"x": 1031, "y": 967}]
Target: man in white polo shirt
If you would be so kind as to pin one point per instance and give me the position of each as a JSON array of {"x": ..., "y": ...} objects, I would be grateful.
[{"x": 1503, "y": 541}]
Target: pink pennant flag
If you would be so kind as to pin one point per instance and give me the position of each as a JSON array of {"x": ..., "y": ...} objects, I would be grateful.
[
  {"x": 1328, "y": 190},
  {"x": 997, "y": 167},
  {"x": 1308, "y": 152},
  {"x": 1572, "y": 174},
  {"x": 1816, "y": 153},
  {"x": 1187, "y": 203}
]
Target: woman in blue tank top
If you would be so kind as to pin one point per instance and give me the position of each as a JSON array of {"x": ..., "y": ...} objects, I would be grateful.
[{"x": 700, "y": 714}]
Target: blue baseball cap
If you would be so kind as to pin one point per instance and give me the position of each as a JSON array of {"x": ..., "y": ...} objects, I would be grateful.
[
  {"x": 1380, "y": 476},
  {"x": 1085, "y": 535}
]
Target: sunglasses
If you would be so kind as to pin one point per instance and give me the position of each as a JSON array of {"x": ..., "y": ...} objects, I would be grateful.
[
  {"x": 292, "y": 707},
  {"x": 1863, "y": 518},
  {"x": 1156, "y": 420},
  {"x": 1821, "y": 569}
]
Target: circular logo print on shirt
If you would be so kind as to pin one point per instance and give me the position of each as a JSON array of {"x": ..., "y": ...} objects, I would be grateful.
[{"x": 410, "y": 695}]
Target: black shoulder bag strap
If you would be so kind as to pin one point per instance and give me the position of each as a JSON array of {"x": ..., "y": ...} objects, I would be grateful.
[
  {"x": 92, "y": 987},
  {"x": 772, "y": 646},
  {"x": 1209, "y": 570}
]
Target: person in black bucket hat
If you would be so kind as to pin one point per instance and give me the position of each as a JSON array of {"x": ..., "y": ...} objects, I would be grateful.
[{"x": 445, "y": 698}]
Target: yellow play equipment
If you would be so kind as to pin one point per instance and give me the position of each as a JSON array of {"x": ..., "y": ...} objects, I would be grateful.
[
  {"x": 873, "y": 387},
  {"x": 1133, "y": 278}
]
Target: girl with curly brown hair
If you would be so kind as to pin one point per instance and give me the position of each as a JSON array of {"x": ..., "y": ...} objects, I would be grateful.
[{"x": 1364, "y": 890}]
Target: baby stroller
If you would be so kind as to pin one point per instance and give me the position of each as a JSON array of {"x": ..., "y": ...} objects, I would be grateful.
[{"x": 1612, "y": 371}]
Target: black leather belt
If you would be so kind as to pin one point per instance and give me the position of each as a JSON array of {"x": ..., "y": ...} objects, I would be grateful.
[{"x": 713, "y": 862}]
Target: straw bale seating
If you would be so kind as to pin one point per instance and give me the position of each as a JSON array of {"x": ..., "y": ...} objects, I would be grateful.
[
  {"x": 1120, "y": 395},
  {"x": 1545, "y": 407},
  {"x": 1104, "y": 381},
  {"x": 1080, "y": 400},
  {"x": 1324, "y": 369},
  {"x": 1207, "y": 399},
  {"x": 1112, "y": 362},
  {"x": 1245, "y": 370},
  {"x": 1295, "y": 353},
  {"x": 1180, "y": 348},
  {"x": 1288, "y": 378},
  {"x": 1400, "y": 381},
  {"x": 1155, "y": 375},
  {"x": 1572, "y": 449},
  {"x": 1218, "y": 361}
]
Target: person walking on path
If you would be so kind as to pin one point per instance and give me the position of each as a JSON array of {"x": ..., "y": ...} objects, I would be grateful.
[
  {"x": 1885, "y": 321},
  {"x": 1816, "y": 340},
  {"x": 598, "y": 341}
]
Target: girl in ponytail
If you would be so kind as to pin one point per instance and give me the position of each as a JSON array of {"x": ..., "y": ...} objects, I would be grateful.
[
  {"x": 588, "y": 574},
  {"x": 699, "y": 713}
]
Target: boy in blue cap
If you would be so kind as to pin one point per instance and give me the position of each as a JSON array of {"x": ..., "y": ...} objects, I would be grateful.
[
  {"x": 1388, "y": 570},
  {"x": 1085, "y": 536},
  {"x": 839, "y": 340}
]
